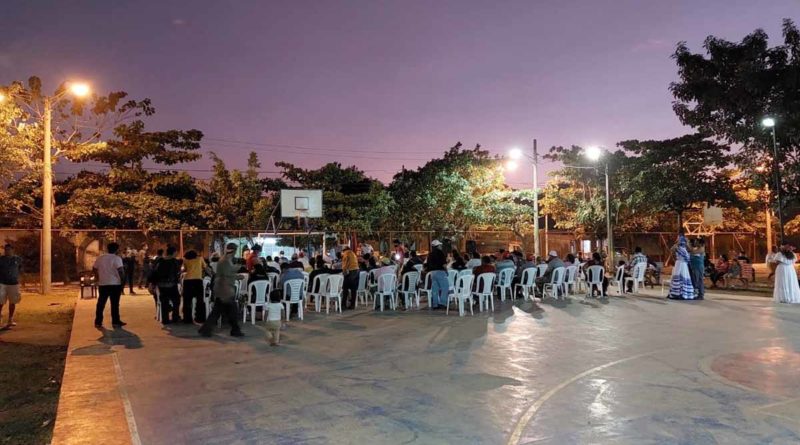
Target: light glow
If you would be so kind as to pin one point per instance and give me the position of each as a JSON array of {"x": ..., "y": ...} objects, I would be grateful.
[
  {"x": 594, "y": 153},
  {"x": 2, "y": 97},
  {"x": 511, "y": 166},
  {"x": 515, "y": 153},
  {"x": 768, "y": 122},
  {"x": 79, "y": 89}
]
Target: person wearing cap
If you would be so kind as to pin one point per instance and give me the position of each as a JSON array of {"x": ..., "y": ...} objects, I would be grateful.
[
  {"x": 553, "y": 263},
  {"x": 437, "y": 267},
  {"x": 224, "y": 293},
  {"x": 350, "y": 270}
]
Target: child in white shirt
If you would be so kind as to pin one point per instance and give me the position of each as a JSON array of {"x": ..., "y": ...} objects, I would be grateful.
[{"x": 274, "y": 309}]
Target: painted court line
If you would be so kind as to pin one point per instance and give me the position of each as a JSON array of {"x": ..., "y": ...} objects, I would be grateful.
[
  {"x": 516, "y": 435},
  {"x": 126, "y": 403}
]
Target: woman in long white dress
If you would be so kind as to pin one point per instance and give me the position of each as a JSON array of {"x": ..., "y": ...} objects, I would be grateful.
[
  {"x": 787, "y": 289},
  {"x": 680, "y": 287}
]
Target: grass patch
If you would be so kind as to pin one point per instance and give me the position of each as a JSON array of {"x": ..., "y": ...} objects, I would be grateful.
[
  {"x": 30, "y": 381},
  {"x": 30, "y": 371}
]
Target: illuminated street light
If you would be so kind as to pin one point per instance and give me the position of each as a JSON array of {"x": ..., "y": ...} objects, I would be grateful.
[
  {"x": 516, "y": 154},
  {"x": 594, "y": 153},
  {"x": 79, "y": 89},
  {"x": 769, "y": 122},
  {"x": 2, "y": 97}
]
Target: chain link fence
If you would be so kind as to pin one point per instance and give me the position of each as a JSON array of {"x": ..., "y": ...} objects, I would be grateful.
[{"x": 74, "y": 251}]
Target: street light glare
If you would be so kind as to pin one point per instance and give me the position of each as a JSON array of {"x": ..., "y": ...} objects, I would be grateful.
[
  {"x": 515, "y": 153},
  {"x": 511, "y": 165},
  {"x": 2, "y": 97},
  {"x": 768, "y": 122},
  {"x": 79, "y": 89},
  {"x": 594, "y": 153}
]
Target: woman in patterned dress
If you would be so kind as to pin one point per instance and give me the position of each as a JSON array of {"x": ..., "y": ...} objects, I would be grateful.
[{"x": 680, "y": 287}]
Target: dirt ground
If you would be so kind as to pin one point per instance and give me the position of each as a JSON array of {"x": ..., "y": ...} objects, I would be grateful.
[{"x": 32, "y": 356}]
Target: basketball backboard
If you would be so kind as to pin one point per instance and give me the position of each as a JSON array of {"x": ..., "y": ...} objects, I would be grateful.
[{"x": 301, "y": 203}]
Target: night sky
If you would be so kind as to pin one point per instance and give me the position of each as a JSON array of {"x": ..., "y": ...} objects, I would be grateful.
[{"x": 375, "y": 83}]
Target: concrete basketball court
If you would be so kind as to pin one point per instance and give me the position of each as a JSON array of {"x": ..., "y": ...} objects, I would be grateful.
[{"x": 633, "y": 370}]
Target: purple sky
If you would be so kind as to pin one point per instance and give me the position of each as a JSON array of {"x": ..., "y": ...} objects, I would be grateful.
[{"x": 376, "y": 83}]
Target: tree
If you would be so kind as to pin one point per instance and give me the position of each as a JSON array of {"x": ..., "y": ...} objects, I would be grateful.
[
  {"x": 448, "y": 194},
  {"x": 727, "y": 92},
  {"x": 677, "y": 174},
  {"x": 235, "y": 199}
]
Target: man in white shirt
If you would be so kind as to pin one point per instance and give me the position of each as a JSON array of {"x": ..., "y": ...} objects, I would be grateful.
[
  {"x": 366, "y": 249},
  {"x": 110, "y": 274}
]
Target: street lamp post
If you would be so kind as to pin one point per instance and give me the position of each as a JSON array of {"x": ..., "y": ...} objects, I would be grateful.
[
  {"x": 516, "y": 154},
  {"x": 594, "y": 154},
  {"x": 46, "y": 259},
  {"x": 769, "y": 122}
]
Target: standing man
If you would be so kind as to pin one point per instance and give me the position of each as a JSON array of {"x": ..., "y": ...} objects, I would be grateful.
[
  {"x": 130, "y": 270},
  {"x": 224, "y": 293},
  {"x": 110, "y": 274},
  {"x": 167, "y": 273},
  {"x": 10, "y": 268},
  {"x": 350, "y": 271},
  {"x": 437, "y": 267},
  {"x": 252, "y": 258}
]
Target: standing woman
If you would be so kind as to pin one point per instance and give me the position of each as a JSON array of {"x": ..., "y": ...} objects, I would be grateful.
[
  {"x": 787, "y": 289},
  {"x": 194, "y": 267},
  {"x": 697, "y": 266},
  {"x": 680, "y": 287}
]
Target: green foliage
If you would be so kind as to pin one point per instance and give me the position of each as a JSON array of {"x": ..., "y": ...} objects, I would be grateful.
[
  {"x": 447, "y": 194},
  {"x": 235, "y": 199},
  {"x": 727, "y": 91},
  {"x": 677, "y": 174}
]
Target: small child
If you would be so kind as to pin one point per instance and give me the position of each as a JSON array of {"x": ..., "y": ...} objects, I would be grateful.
[{"x": 274, "y": 309}]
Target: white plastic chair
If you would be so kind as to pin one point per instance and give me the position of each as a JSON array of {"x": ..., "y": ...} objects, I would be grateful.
[
  {"x": 418, "y": 267},
  {"x": 541, "y": 269},
  {"x": 426, "y": 289},
  {"x": 594, "y": 280},
  {"x": 317, "y": 290},
  {"x": 387, "y": 285},
  {"x": 260, "y": 289},
  {"x": 485, "y": 290},
  {"x": 361, "y": 291},
  {"x": 527, "y": 284},
  {"x": 273, "y": 278},
  {"x": 504, "y": 280},
  {"x": 207, "y": 294},
  {"x": 620, "y": 272},
  {"x": 570, "y": 284},
  {"x": 241, "y": 290},
  {"x": 461, "y": 295},
  {"x": 452, "y": 274},
  {"x": 637, "y": 276},
  {"x": 293, "y": 294},
  {"x": 333, "y": 291},
  {"x": 408, "y": 289},
  {"x": 556, "y": 284}
]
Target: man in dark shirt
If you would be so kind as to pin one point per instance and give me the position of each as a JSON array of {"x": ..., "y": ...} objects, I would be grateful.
[
  {"x": 437, "y": 267},
  {"x": 10, "y": 267}
]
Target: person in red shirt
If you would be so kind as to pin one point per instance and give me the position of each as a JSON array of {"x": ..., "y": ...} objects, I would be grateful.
[{"x": 253, "y": 258}]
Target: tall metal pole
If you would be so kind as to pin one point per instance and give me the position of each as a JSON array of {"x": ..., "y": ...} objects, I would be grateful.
[
  {"x": 47, "y": 202},
  {"x": 536, "y": 251},
  {"x": 768, "y": 220},
  {"x": 775, "y": 165},
  {"x": 609, "y": 229}
]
